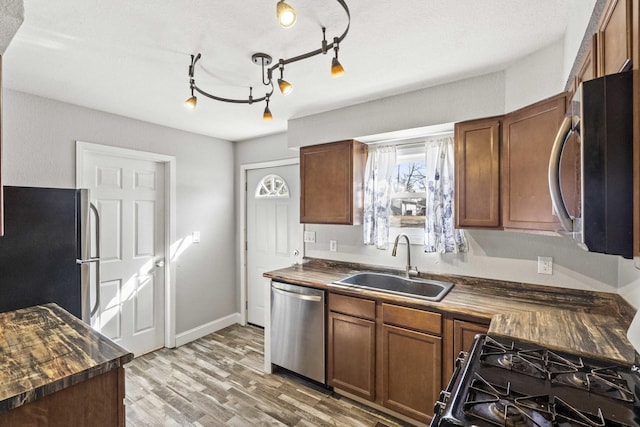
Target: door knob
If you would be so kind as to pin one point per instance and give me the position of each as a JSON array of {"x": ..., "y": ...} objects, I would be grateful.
[{"x": 160, "y": 263}]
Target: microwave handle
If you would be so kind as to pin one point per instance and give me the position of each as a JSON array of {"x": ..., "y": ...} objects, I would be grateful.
[{"x": 559, "y": 206}]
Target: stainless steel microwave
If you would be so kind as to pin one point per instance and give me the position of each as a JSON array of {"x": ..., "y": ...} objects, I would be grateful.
[{"x": 591, "y": 166}]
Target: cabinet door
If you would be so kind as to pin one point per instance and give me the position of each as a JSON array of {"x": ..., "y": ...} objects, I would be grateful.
[
  {"x": 351, "y": 355},
  {"x": 477, "y": 169},
  {"x": 331, "y": 179},
  {"x": 588, "y": 69},
  {"x": 614, "y": 37},
  {"x": 464, "y": 333},
  {"x": 411, "y": 370},
  {"x": 528, "y": 136}
]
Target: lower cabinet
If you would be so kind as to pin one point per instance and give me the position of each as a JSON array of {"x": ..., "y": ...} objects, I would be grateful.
[
  {"x": 411, "y": 364},
  {"x": 388, "y": 354},
  {"x": 459, "y": 335},
  {"x": 351, "y": 354}
]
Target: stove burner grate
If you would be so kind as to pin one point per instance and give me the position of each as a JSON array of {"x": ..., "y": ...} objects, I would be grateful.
[
  {"x": 545, "y": 364},
  {"x": 502, "y": 406}
]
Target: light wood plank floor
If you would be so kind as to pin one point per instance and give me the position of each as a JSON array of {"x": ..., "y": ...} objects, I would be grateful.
[{"x": 218, "y": 381}]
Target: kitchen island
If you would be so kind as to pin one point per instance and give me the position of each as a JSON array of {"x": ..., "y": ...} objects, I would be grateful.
[{"x": 58, "y": 371}]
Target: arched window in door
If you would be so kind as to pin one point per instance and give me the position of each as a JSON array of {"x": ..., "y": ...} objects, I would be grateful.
[{"x": 272, "y": 186}]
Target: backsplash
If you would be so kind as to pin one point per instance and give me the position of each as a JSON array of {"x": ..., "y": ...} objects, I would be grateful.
[{"x": 498, "y": 255}]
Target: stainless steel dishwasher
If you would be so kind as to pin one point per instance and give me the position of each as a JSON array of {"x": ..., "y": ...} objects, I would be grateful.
[{"x": 298, "y": 329}]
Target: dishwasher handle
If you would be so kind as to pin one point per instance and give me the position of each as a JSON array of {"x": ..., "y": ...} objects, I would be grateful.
[{"x": 296, "y": 295}]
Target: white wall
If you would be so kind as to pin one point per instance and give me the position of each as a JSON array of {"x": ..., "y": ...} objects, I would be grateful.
[
  {"x": 535, "y": 77},
  {"x": 578, "y": 18},
  {"x": 39, "y": 150},
  {"x": 629, "y": 282},
  {"x": 492, "y": 254},
  {"x": 462, "y": 100}
]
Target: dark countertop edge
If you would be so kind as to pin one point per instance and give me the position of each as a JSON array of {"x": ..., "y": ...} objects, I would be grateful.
[
  {"x": 26, "y": 397},
  {"x": 60, "y": 384}
]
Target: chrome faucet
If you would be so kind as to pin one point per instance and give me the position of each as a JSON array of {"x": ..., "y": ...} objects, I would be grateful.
[{"x": 410, "y": 270}]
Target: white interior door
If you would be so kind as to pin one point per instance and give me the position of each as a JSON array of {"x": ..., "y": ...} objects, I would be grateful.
[
  {"x": 273, "y": 230},
  {"x": 129, "y": 196}
]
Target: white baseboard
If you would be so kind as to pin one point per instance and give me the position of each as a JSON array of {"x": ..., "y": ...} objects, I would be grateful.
[{"x": 208, "y": 328}]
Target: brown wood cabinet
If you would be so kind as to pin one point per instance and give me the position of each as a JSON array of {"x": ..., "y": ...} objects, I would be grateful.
[
  {"x": 385, "y": 353},
  {"x": 411, "y": 361},
  {"x": 459, "y": 335},
  {"x": 588, "y": 69},
  {"x": 477, "y": 169},
  {"x": 527, "y": 138},
  {"x": 615, "y": 37},
  {"x": 332, "y": 183},
  {"x": 98, "y": 401},
  {"x": 352, "y": 345}
]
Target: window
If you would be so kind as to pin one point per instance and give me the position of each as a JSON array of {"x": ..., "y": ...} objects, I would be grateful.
[
  {"x": 272, "y": 186},
  {"x": 408, "y": 194}
]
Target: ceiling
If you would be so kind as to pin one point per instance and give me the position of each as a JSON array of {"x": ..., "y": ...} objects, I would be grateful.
[{"x": 131, "y": 57}]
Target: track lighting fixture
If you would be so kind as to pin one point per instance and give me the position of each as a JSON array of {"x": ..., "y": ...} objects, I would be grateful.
[
  {"x": 286, "y": 14},
  {"x": 285, "y": 86},
  {"x": 286, "y": 18},
  {"x": 267, "y": 113},
  {"x": 336, "y": 68}
]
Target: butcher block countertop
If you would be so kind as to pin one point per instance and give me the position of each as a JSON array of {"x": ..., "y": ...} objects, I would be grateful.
[
  {"x": 44, "y": 349},
  {"x": 583, "y": 322}
]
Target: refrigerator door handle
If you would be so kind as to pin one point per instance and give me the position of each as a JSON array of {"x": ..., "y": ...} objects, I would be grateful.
[{"x": 94, "y": 309}]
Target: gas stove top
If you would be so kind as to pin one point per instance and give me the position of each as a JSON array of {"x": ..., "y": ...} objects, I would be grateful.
[{"x": 502, "y": 382}]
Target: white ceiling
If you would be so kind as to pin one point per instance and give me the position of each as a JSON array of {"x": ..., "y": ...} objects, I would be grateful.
[{"x": 131, "y": 57}]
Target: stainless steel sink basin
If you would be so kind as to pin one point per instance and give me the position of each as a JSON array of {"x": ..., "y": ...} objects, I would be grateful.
[{"x": 432, "y": 290}]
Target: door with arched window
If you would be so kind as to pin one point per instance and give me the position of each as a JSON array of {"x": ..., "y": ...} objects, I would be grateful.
[{"x": 273, "y": 230}]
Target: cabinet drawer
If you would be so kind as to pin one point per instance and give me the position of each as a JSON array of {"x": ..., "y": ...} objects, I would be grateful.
[
  {"x": 411, "y": 318},
  {"x": 353, "y": 306}
]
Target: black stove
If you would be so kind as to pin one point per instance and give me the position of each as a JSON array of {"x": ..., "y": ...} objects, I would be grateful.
[{"x": 503, "y": 382}]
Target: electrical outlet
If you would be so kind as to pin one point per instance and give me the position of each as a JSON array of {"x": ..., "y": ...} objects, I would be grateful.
[
  {"x": 333, "y": 245},
  {"x": 545, "y": 265},
  {"x": 309, "y": 236}
]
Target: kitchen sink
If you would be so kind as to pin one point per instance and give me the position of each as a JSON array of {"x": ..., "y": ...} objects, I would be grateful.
[{"x": 431, "y": 290}]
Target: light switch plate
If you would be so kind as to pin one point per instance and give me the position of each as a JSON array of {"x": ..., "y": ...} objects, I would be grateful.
[
  {"x": 309, "y": 236},
  {"x": 195, "y": 237},
  {"x": 333, "y": 245},
  {"x": 545, "y": 265}
]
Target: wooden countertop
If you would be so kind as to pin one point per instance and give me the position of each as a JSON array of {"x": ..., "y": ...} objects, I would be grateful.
[
  {"x": 44, "y": 349},
  {"x": 583, "y": 322}
]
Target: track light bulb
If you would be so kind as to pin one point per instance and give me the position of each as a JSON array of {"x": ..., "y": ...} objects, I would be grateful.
[
  {"x": 191, "y": 102},
  {"x": 286, "y": 14},
  {"x": 267, "y": 113},
  {"x": 285, "y": 87},
  {"x": 336, "y": 68}
]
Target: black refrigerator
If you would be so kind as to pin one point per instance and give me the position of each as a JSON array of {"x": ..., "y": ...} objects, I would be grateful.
[{"x": 47, "y": 253}]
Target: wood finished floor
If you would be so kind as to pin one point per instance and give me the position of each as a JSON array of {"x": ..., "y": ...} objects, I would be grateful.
[{"x": 218, "y": 381}]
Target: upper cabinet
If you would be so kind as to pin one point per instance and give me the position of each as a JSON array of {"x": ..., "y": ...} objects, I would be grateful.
[
  {"x": 477, "y": 169},
  {"x": 332, "y": 183},
  {"x": 501, "y": 166},
  {"x": 588, "y": 69},
  {"x": 527, "y": 139},
  {"x": 614, "y": 37}
]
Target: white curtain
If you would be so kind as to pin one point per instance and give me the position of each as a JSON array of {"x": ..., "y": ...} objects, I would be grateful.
[
  {"x": 440, "y": 234},
  {"x": 377, "y": 196}
]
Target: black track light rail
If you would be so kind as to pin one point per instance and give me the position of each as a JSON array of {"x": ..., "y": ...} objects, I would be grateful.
[{"x": 326, "y": 47}]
